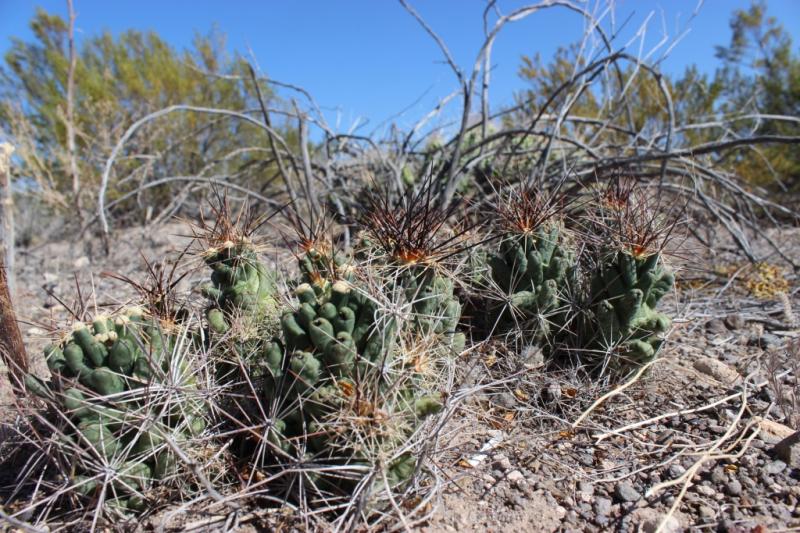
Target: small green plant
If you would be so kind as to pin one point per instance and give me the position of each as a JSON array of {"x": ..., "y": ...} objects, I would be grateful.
[
  {"x": 531, "y": 264},
  {"x": 625, "y": 292},
  {"x": 631, "y": 230},
  {"x": 123, "y": 394}
]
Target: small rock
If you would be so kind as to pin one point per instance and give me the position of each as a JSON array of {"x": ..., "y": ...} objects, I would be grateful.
[
  {"x": 717, "y": 370},
  {"x": 625, "y": 492},
  {"x": 716, "y": 326},
  {"x": 676, "y": 470},
  {"x": 586, "y": 487},
  {"x": 706, "y": 512},
  {"x": 602, "y": 506},
  {"x": 648, "y": 520},
  {"x": 81, "y": 262},
  {"x": 765, "y": 341},
  {"x": 705, "y": 490},
  {"x": 719, "y": 475},
  {"x": 733, "y": 487},
  {"x": 735, "y": 321},
  {"x": 788, "y": 450},
  {"x": 501, "y": 462},
  {"x": 775, "y": 467},
  {"x": 515, "y": 477},
  {"x": 718, "y": 429}
]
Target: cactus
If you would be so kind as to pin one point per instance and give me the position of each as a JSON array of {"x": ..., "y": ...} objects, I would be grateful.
[
  {"x": 243, "y": 297},
  {"x": 534, "y": 269},
  {"x": 105, "y": 376},
  {"x": 337, "y": 373},
  {"x": 435, "y": 308},
  {"x": 330, "y": 338},
  {"x": 624, "y": 294},
  {"x": 239, "y": 281}
]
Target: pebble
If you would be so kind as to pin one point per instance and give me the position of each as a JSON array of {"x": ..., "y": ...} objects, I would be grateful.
[
  {"x": 649, "y": 521},
  {"x": 705, "y": 490},
  {"x": 716, "y": 326},
  {"x": 719, "y": 475},
  {"x": 515, "y": 477},
  {"x": 626, "y": 492},
  {"x": 734, "y": 487},
  {"x": 716, "y": 369},
  {"x": 706, "y": 512},
  {"x": 676, "y": 470},
  {"x": 735, "y": 321},
  {"x": 775, "y": 467},
  {"x": 501, "y": 462},
  {"x": 765, "y": 341},
  {"x": 788, "y": 450},
  {"x": 602, "y": 506}
]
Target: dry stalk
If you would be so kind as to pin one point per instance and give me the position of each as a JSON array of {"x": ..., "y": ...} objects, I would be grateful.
[
  {"x": 612, "y": 393},
  {"x": 619, "y": 431},
  {"x": 709, "y": 455}
]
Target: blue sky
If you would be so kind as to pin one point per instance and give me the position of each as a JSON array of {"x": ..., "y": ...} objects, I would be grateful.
[{"x": 369, "y": 59}]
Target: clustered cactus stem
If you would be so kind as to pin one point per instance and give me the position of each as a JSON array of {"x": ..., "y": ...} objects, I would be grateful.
[
  {"x": 107, "y": 378},
  {"x": 531, "y": 262},
  {"x": 625, "y": 292},
  {"x": 533, "y": 269},
  {"x": 631, "y": 232},
  {"x": 240, "y": 282}
]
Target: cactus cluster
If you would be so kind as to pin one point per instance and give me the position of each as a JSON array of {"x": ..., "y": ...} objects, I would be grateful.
[
  {"x": 534, "y": 269},
  {"x": 337, "y": 360},
  {"x": 624, "y": 293},
  {"x": 105, "y": 380}
]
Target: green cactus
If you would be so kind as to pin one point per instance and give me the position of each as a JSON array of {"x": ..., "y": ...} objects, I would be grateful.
[
  {"x": 240, "y": 282},
  {"x": 102, "y": 377},
  {"x": 435, "y": 307},
  {"x": 340, "y": 357},
  {"x": 624, "y": 294},
  {"x": 534, "y": 270},
  {"x": 243, "y": 298}
]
